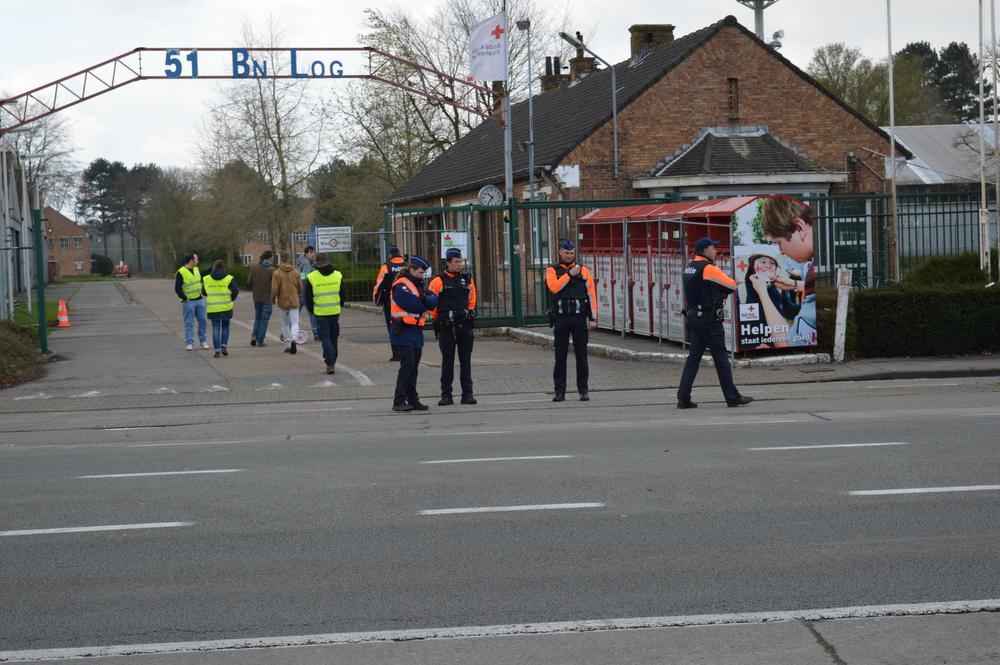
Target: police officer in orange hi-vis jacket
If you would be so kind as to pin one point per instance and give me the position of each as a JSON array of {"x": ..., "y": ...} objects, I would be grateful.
[
  {"x": 705, "y": 289},
  {"x": 454, "y": 320},
  {"x": 574, "y": 315}
]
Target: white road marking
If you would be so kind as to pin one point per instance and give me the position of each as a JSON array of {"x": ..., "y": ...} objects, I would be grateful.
[
  {"x": 164, "y": 391},
  {"x": 913, "y": 385},
  {"x": 163, "y": 473},
  {"x": 35, "y": 396},
  {"x": 541, "y": 628},
  {"x": 522, "y": 401},
  {"x": 499, "y": 431},
  {"x": 271, "y": 386},
  {"x": 833, "y": 445},
  {"x": 187, "y": 443},
  {"x": 926, "y": 490},
  {"x": 361, "y": 377},
  {"x": 495, "y": 459},
  {"x": 509, "y": 509},
  {"x": 83, "y": 529},
  {"x": 742, "y": 423},
  {"x": 123, "y": 429},
  {"x": 215, "y": 389},
  {"x": 89, "y": 393},
  {"x": 324, "y": 384}
]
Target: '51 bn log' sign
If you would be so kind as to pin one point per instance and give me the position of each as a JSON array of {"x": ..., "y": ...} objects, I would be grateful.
[{"x": 244, "y": 63}]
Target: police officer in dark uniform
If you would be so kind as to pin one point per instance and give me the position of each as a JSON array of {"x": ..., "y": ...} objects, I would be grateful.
[
  {"x": 574, "y": 314},
  {"x": 453, "y": 324},
  {"x": 705, "y": 289}
]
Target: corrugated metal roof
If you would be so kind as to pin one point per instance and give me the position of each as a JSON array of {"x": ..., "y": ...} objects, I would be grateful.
[{"x": 943, "y": 154}]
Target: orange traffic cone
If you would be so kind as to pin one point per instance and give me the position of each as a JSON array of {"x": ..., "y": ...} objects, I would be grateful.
[{"x": 63, "y": 315}]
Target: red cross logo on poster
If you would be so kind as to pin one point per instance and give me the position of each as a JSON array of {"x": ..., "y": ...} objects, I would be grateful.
[
  {"x": 497, "y": 32},
  {"x": 742, "y": 265}
]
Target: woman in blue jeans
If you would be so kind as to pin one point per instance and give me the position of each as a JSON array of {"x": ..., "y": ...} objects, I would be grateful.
[{"x": 220, "y": 291}]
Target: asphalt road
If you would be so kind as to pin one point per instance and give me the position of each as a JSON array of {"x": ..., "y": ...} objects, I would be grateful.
[{"x": 330, "y": 522}]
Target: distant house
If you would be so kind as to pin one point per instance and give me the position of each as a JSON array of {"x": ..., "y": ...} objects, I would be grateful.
[
  {"x": 68, "y": 243},
  {"x": 258, "y": 240}
]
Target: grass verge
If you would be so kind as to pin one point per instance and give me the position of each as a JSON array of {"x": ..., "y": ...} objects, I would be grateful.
[{"x": 18, "y": 354}]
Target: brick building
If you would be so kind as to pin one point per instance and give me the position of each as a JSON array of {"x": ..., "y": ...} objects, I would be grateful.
[
  {"x": 68, "y": 243},
  {"x": 717, "y": 112}
]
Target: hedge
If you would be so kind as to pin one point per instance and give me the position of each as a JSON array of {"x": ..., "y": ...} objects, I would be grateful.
[
  {"x": 912, "y": 320},
  {"x": 101, "y": 265}
]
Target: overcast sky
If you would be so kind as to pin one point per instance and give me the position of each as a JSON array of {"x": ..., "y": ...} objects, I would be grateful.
[{"x": 157, "y": 121}]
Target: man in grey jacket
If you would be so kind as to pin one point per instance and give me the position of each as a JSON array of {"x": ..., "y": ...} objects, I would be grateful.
[{"x": 305, "y": 264}]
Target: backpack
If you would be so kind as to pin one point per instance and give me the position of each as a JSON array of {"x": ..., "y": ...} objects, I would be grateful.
[{"x": 385, "y": 286}]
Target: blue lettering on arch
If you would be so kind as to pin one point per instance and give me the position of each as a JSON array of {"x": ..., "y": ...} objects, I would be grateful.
[
  {"x": 260, "y": 69},
  {"x": 241, "y": 69},
  {"x": 336, "y": 69},
  {"x": 295, "y": 73}
]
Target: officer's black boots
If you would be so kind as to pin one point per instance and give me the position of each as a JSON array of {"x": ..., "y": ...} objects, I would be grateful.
[
  {"x": 447, "y": 401},
  {"x": 469, "y": 400},
  {"x": 742, "y": 401},
  {"x": 419, "y": 406},
  {"x": 686, "y": 405},
  {"x": 559, "y": 397},
  {"x": 584, "y": 397}
]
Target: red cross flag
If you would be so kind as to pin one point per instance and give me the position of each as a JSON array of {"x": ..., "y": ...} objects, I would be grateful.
[{"x": 488, "y": 53}]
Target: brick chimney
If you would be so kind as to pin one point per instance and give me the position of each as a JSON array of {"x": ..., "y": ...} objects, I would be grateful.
[
  {"x": 581, "y": 65},
  {"x": 553, "y": 79},
  {"x": 649, "y": 37}
]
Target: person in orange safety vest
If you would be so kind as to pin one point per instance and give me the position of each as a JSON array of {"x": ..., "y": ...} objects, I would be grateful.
[{"x": 574, "y": 315}]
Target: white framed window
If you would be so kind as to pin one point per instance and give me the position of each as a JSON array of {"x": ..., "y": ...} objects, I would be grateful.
[
  {"x": 300, "y": 236},
  {"x": 247, "y": 259},
  {"x": 78, "y": 265},
  {"x": 64, "y": 242},
  {"x": 262, "y": 236},
  {"x": 78, "y": 242}
]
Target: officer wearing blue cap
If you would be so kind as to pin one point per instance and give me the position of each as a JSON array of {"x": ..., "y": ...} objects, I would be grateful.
[
  {"x": 409, "y": 305},
  {"x": 574, "y": 314},
  {"x": 453, "y": 324},
  {"x": 706, "y": 287}
]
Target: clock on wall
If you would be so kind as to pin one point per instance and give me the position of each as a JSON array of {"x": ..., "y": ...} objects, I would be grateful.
[{"x": 491, "y": 195}]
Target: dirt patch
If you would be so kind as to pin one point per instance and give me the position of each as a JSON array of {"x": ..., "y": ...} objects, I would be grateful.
[{"x": 19, "y": 359}]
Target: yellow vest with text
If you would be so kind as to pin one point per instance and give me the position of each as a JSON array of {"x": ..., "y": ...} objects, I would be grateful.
[
  {"x": 218, "y": 298},
  {"x": 326, "y": 292},
  {"x": 192, "y": 282}
]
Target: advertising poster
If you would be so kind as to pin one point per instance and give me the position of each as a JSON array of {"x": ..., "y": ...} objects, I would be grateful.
[
  {"x": 602, "y": 283},
  {"x": 619, "y": 302},
  {"x": 773, "y": 256},
  {"x": 640, "y": 295}
]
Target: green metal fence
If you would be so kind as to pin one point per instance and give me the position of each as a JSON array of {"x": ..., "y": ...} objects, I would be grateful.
[{"x": 508, "y": 257}]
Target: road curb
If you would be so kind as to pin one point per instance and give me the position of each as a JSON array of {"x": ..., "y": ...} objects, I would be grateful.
[{"x": 619, "y": 353}]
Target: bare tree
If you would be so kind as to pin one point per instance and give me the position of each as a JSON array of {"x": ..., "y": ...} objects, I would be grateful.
[
  {"x": 169, "y": 215},
  {"x": 46, "y": 149},
  {"x": 404, "y": 131},
  {"x": 275, "y": 126}
]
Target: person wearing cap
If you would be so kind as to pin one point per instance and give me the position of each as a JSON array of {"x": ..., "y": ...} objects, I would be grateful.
[
  {"x": 322, "y": 295},
  {"x": 575, "y": 309},
  {"x": 706, "y": 287},
  {"x": 391, "y": 269},
  {"x": 408, "y": 305},
  {"x": 453, "y": 322}
]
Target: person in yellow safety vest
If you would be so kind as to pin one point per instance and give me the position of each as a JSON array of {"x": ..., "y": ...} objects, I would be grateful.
[
  {"x": 220, "y": 291},
  {"x": 187, "y": 286},
  {"x": 322, "y": 291}
]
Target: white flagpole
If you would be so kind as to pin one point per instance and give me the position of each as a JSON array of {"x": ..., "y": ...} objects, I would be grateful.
[
  {"x": 984, "y": 213},
  {"x": 996, "y": 134}
]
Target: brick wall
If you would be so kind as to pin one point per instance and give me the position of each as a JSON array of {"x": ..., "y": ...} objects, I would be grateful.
[
  {"x": 64, "y": 231},
  {"x": 695, "y": 95}
]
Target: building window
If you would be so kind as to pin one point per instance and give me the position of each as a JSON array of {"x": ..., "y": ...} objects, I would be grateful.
[
  {"x": 78, "y": 265},
  {"x": 300, "y": 236},
  {"x": 247, "y": 259},
  {"x": 262, "y": 236},
  {"x": 64, "y": 242},
  {"x": 734, "y": 99},
  {"x": 78, "y": 242},
  {"x": 49, "y": 241},
  {"x": 540, "y": 235}
]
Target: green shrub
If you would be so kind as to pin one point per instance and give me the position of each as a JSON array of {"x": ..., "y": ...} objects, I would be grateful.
[
  {"x": 101, "y": 265},
  {"x": 912, "y": 320},
  {"x": 946, "y": 270}
]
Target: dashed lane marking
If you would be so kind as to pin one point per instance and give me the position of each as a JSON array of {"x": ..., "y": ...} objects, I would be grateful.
[
  {"x": 926, "y": 490},
  {"x": 162, "y": 473},
  {"x": 495, "y": 459},
  {"x": 833, "y": 445},
  {"x": 85, "y": 529},
  {"x": 510, "y": 509}
]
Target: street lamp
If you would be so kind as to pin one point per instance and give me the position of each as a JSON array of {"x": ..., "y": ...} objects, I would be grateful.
[
  {"x": 525, "y": 26},
  {"x": 579, "y": 45}
]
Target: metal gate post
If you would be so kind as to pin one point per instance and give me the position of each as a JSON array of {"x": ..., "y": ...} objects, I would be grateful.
[
  {"x": 515, "y": 264},
  {"x": 43, "y": 333}
]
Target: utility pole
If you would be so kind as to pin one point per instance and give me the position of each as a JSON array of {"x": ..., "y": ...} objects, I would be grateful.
[{"x": 758, "y": 7}]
